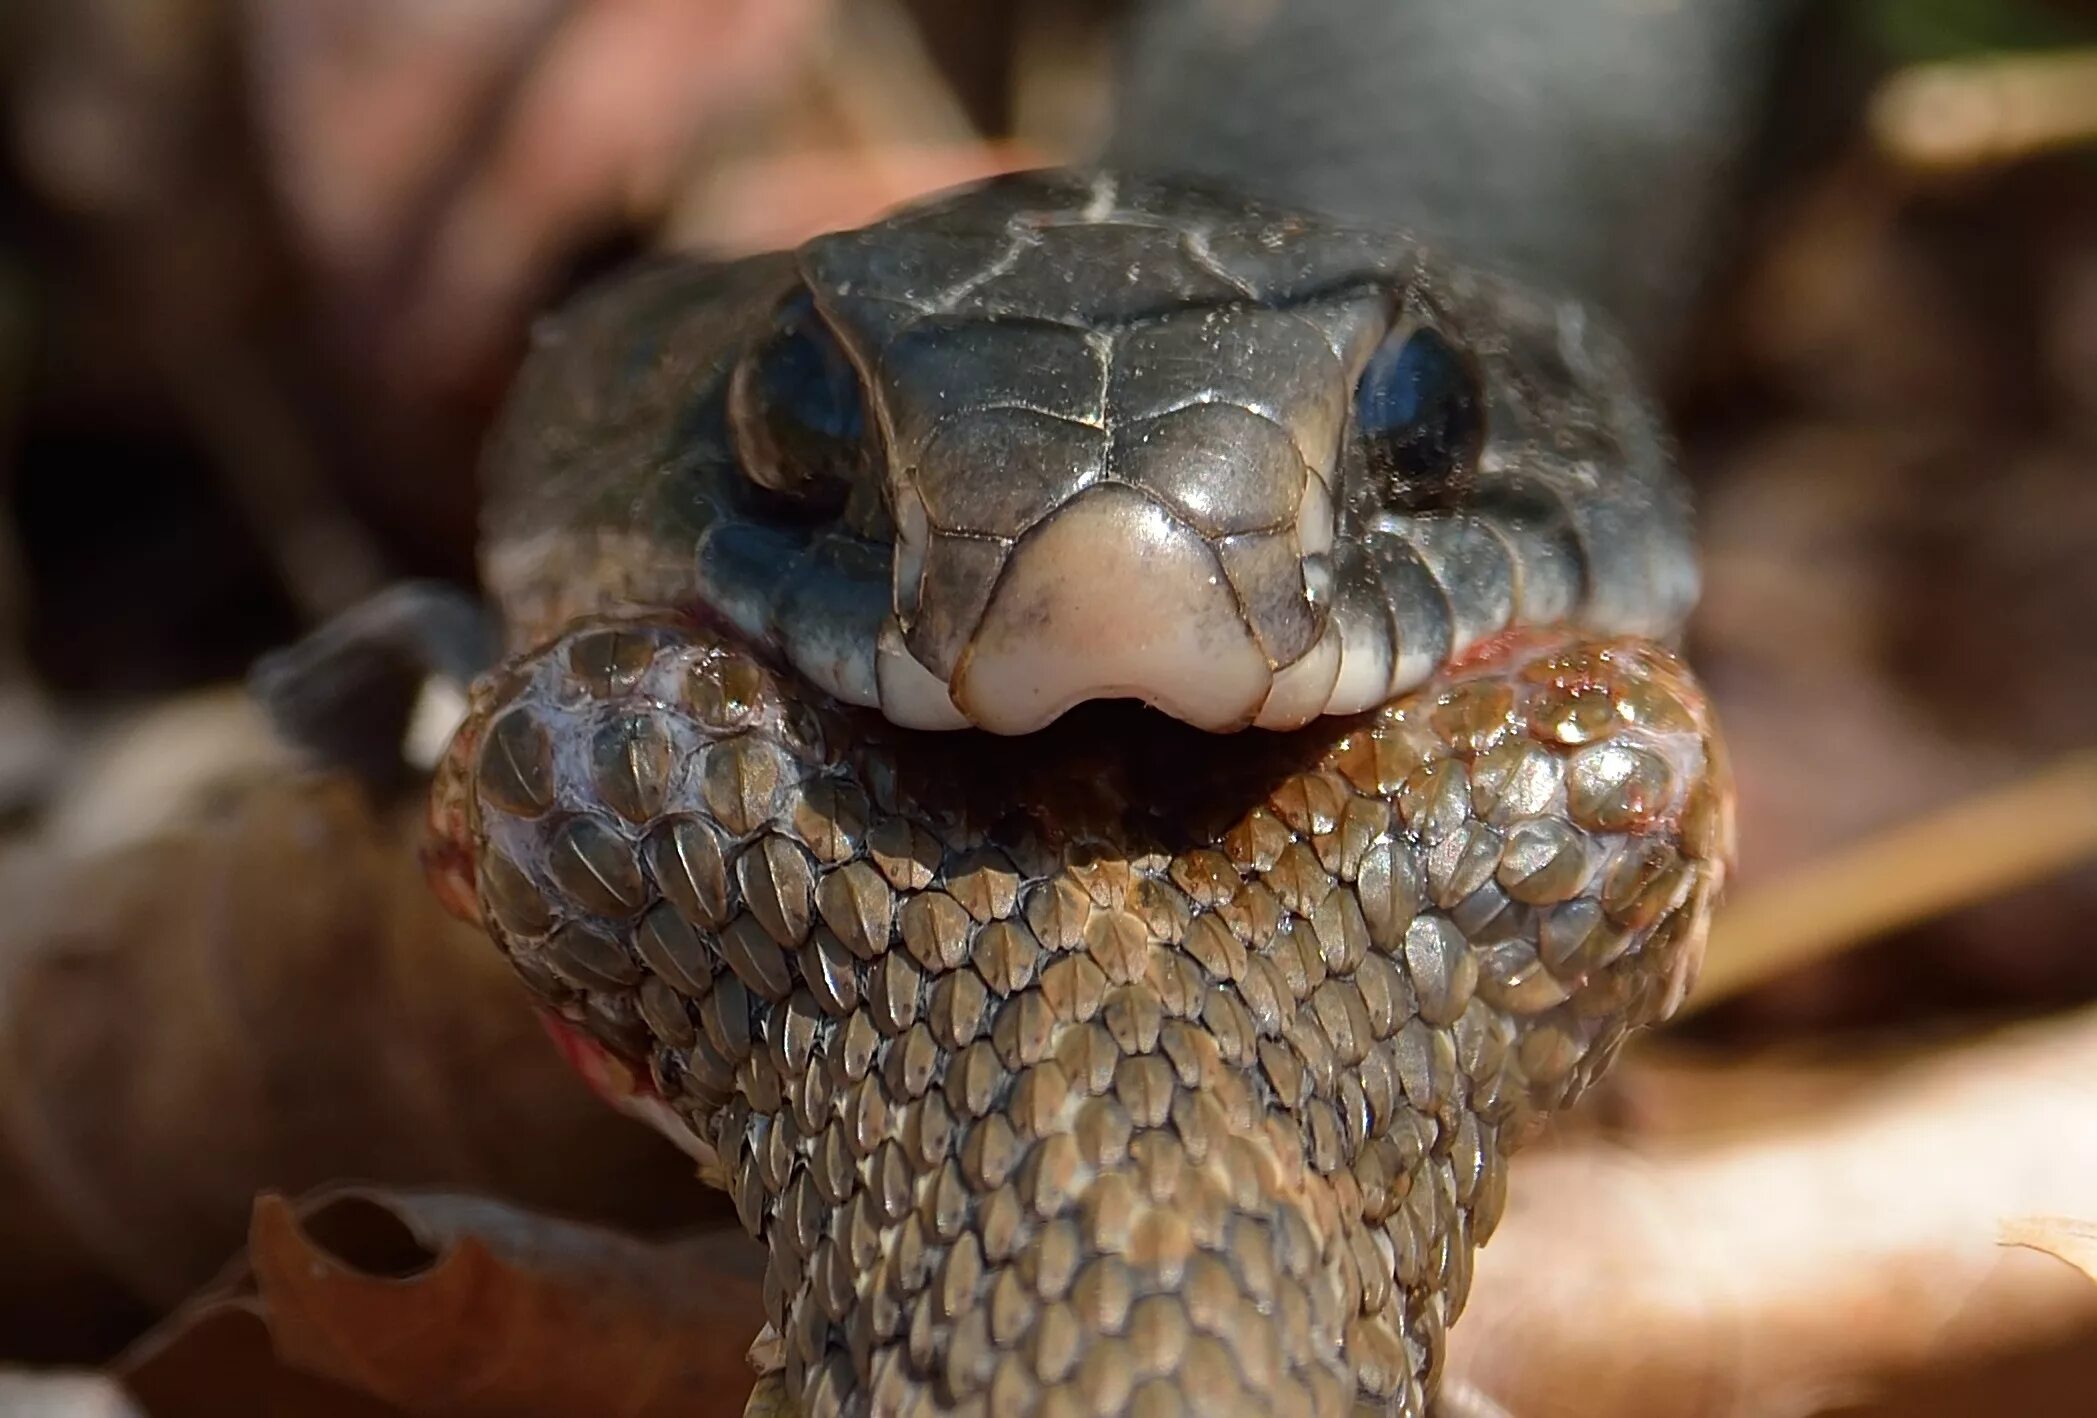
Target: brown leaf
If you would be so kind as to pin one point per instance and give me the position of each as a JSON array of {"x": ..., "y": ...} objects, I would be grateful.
[
  {"x": 268, "y": 997},
  {"x": 215, "y": 1360},
  {"x": 367, "y": 1302}
]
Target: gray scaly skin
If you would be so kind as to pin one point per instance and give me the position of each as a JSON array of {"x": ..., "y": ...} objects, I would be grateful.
[{"x": 1090, "y": 1061}]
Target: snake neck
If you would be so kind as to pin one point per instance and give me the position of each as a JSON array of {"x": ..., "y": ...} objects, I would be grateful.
[{"x": 1104, "y": 1080}]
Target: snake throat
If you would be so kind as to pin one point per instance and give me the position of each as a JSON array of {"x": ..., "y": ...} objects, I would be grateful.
[{"x": 1140, "y": 1071}]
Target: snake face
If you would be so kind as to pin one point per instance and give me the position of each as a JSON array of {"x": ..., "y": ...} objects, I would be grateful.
[
  {"x": 1085, "y": 1060},
  {"x": 1062, "y": 438}
]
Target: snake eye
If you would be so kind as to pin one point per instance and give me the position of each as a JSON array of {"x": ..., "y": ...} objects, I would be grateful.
[
  {"x": 798, "y": 417},
  {"x": 1421, "y": 416}
]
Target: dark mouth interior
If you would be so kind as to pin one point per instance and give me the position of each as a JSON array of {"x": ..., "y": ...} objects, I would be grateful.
[{"x": 1136, "y": 766}]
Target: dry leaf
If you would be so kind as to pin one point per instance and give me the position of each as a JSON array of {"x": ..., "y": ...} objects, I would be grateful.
[
  {"x": 1772, "y": 1260},
  {"x": 62, "y": 1395},
  {"x": 269, "y": 997},
  {"x": 2063, "y": 1237},
  {"x": 780, "y": 200},
  {"x": 359, "y": 1302},
  {"x": 1831, "y": 1251},
  {"x": 443, "y": 159}
]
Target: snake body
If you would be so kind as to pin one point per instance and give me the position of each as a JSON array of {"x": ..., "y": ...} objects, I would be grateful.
[{"x": 1069, "y": 1055}]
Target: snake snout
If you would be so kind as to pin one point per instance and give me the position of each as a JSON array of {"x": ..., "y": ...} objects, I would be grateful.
[{"x": 1112, "y": 598}]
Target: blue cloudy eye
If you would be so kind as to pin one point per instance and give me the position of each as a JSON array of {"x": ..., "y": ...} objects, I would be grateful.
[
  {"x": 799, "y": 416},
  {"x": 805, "y": 379},
  {"x": 1419, "y": 414}
]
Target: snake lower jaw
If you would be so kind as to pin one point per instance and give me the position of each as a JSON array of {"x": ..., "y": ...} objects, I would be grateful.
[{"x": 1140, "y": 1073}]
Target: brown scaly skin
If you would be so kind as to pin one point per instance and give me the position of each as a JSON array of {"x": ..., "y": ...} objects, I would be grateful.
[{"x": 1055, "y": 1082}]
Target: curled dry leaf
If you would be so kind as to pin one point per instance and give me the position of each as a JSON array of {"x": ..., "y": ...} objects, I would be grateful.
[
  {"x": 1837, "y": 1249},
  {"x": 265, "y": 997},
  {"x": 2061, "y": 1236},
  {"x": 357, "y": 1301}
]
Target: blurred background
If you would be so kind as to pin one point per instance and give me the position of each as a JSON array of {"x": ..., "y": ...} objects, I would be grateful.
[{"x": 267, "y": 265}]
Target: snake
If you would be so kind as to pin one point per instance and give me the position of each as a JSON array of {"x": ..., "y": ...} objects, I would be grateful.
[{"x": 1104, "y": 752}]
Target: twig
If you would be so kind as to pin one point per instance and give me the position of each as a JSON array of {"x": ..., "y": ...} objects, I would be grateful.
[
  {"x": 1973, "y": 113},
  {"x": 1969, "y": 852}
]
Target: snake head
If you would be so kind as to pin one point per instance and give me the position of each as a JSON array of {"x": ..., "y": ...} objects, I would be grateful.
[{"x": 1067, "y": 437}]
